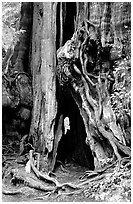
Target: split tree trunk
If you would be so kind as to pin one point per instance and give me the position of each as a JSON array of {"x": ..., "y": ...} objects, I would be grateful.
[{"x": 90, "y": 92}]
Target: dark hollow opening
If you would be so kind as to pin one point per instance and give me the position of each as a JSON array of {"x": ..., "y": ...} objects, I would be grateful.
[
  {"x": 68, "y": 28},
  {"x": 72, "y": 145},
  {"x": 69, "y": 13}
]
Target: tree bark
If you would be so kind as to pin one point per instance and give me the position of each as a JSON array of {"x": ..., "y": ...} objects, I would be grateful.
[
  {"x": 93, "y": 97},
  {"x": 44, "y": 78}
]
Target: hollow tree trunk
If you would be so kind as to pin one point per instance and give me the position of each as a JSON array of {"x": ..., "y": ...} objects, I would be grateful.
[{"x": 84, "y": 70}]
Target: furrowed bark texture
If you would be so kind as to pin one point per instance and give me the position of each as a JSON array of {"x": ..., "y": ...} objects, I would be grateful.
[
  {"x": 20, "y": 59},
  {"x": 43, "y": 69},
  {"x": 115, "y": 19}
]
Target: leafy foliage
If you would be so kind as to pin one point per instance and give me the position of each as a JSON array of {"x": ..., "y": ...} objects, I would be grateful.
[
  {"x": 10, "y": 22},
  {"x": 121, "y": 96},
  {"x": 116, "y": 187}
]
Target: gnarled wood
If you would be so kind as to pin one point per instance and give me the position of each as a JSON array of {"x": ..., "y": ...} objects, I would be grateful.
[{"x": 95, "y": 109}]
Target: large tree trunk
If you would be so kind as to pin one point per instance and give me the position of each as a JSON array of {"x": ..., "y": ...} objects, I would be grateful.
[
  {"x": 43, "y": 65},
  {"x": 84, "y": 72}
]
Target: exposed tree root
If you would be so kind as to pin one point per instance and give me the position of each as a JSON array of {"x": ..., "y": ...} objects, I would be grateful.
[
  {"x": 66, "y": 189},
  {"x": 83, "y": 183},
  {"x": 22, "y": 177},
  {"x": 98, "y": 172},
  {"x": 13, "y": 192},
  {"x": 89, "y": 175},
  {"x": 70, "y": 193},
  {"x": 47, "y": 178},
  {"x": 19, "y": 177}
]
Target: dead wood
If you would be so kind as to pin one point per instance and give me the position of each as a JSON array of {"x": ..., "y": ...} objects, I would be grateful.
[
  {"x": 58, "y": 135},
  {"x": 28, "y": 180},
  {"x": 12, "y": 192}
]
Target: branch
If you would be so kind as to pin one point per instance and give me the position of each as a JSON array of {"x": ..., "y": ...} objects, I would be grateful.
[{"x": 91, "y": 180}]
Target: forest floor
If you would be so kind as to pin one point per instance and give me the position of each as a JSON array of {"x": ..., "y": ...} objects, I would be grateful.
[{"x": 113, "y": 185}]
